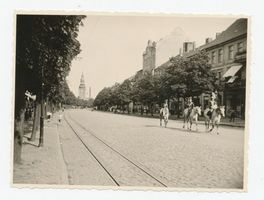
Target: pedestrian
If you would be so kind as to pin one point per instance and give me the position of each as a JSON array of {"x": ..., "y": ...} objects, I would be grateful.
[
  {"x": 60, "y": 116},
  {"x": 165, "y": 114},
  {"x": 161, "y": 115},
  {"x": 232, "y": 115}
]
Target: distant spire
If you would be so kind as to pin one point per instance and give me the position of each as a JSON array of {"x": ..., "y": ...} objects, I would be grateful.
[
  {"x": 82, "y": 79},
  {"x": 82, "y": 88}
]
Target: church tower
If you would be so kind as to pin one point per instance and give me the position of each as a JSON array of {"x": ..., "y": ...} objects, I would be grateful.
[{"x": 82, "y": 88}]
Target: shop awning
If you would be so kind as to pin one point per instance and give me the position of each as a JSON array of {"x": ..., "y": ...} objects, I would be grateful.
[
  {"x": 232, "y": 70},
  {"x": 232, "y": 79}
]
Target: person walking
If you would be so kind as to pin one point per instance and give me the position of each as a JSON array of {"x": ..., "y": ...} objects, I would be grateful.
[{"x": 161, "y": 115}]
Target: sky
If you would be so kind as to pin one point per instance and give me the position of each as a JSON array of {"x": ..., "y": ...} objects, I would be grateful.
[{"x": 112, "y": 46}]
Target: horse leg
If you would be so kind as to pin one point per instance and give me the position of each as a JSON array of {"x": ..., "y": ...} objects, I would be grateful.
[
  {"x": 217, "y": 129},
  {"x": 183, "y": 123},
  {"x": 160, "y": 121},
  {"x": 207, "y": 123},
  {"x": 212, "y": 127}
]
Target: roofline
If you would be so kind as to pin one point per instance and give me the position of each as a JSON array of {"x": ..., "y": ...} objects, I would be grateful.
[{"x": 225, "y": 42}]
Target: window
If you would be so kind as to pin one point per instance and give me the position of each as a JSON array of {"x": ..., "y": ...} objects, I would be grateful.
[
  {"x": 240, "y": 47},
  {"x": 231, "y": 52},
  {"x": 220, "y": 55},
  {"x": 213, "y": 57}
]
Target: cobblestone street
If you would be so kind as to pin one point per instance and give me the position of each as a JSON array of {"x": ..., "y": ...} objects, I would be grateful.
[{"x": 172, "y": 155}]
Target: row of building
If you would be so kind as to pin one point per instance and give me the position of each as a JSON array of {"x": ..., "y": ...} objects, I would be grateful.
[{"x": 228, "y": 57}]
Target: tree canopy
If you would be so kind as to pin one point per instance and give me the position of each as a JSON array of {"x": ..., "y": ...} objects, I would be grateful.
[
  {"x": 47, "y": 43},
  {"x": 183, "y": 77}
]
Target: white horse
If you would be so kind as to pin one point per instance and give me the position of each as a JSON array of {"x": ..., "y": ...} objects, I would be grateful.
[
  {"x": 216, "y": 117},
  {"x": 193, "y": 116},
  {"x": 164, "y": 115}
]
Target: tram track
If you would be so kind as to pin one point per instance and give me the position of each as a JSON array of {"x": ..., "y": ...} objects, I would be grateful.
[{"x": 144, "y": 174}]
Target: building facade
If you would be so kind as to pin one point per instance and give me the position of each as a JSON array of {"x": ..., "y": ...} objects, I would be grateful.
[
  {"x": 227, "y": 54},
  {"x": 82, "y": 88}
]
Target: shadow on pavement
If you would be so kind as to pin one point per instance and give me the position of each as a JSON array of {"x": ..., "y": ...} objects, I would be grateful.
[{"x": 178, "y": 129}]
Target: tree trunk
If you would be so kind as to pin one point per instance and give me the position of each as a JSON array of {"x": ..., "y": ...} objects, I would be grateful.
[
  {"x": 36, "y": 122},
  {"x": 18, "y": 136},
  {"x": 19, "y": 113}
]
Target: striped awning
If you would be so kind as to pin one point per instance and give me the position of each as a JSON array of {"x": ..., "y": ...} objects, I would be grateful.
[{"x": 232, "y": 71}]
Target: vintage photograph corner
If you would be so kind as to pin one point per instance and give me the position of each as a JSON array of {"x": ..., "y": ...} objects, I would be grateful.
[{"x": 130, "y": 101}]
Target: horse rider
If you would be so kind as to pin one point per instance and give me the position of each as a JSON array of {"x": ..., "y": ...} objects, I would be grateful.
[
  {"x": 161, "y": 112},
  {"x": 165, "y": 110},
  {"x": 190, "y": 105},
  {"x": 213, "y": 103}
]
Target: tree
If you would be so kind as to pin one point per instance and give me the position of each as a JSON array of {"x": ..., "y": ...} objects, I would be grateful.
[
  {"x": 124, "y": 93},
  {"x": 199, "y": 75},
  {"x": 144, "y": 90},
  {"x": 45, "y": 48},
  {"x": 189, "y": 76}
]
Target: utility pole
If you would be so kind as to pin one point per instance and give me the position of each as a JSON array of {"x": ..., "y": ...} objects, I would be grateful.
[{"x": 41, "y": 131}]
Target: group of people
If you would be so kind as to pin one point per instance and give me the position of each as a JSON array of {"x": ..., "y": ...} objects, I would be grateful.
[{"x": 164, "y": 111}]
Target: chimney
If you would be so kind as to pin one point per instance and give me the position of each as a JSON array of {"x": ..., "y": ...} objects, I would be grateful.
[
  {"x": 208, "y": 40},
  {"x": 185, "y": 47},
  {"x": 188, "y": 46},
  {"x": 217, "y": 34}
]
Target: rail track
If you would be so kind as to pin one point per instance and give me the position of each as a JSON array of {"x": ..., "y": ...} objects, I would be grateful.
[{"x": 89, "y": 148}]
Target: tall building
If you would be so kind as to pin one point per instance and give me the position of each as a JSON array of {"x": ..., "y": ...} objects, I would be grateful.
[
  {"x": 82, "y": 88},
  {"x": 149, "y": 57}
]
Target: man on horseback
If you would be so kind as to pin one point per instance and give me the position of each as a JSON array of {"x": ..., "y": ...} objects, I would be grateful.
[
  {"x": 190, "y": 106},
  {"x": 213, "y": 104}
]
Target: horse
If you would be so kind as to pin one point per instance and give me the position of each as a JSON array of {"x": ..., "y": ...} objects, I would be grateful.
[
  {"x": 195, "y": 112},
  {"x": 216, "y": 117},
  {"x": 207, "y": 118},
  {"x": 164, "y": 116}
]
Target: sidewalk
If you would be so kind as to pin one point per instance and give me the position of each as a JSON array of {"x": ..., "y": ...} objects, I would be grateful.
[{"x": 42, "y": 165}]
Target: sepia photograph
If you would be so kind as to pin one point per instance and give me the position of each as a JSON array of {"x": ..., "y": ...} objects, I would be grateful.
[{"x": 130, "y": 101}]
